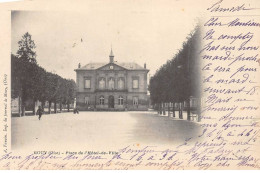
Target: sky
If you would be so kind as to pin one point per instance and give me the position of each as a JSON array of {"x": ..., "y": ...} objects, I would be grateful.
[{"x": 138, "y": 31}]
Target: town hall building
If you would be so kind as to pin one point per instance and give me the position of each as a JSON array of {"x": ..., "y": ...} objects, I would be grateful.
[{"x": 112, "y": 86}]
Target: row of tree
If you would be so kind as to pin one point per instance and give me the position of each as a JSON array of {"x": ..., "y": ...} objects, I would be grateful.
[
  {"x": 32, "y": 82},
  {"x": 179, "y": 79}
]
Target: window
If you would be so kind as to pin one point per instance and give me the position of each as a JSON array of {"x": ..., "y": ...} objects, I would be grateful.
[
  {"x": 135, "y": 100},
  {"x": 87, "y": 100},
  {"x": 102, "y": 83},
  {"x": 120, "y": 83},
  {"x": 102, "y": 100},
  {"x": 87, "y": 83},
  {"x": 120, "y": 100},
  {"x": 194, "y": 102},
  {"x": 135, "y": 83},
  {"x": 111, "y": 83}
]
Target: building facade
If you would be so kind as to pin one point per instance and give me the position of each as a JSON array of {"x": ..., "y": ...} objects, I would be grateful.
[{"x": 112, "y": 86}]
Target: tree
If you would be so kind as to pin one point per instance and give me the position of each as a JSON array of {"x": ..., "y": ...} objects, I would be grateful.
[
  {"x": 178, "y": 79},
  {"x": 71, "y": 88},
  {"x": 16, "y": 85},
  {"x": 30, "y": 81},
  {"x": 25, "y": 69},
  {"x": 26, "y": 48},
  {"x": 37, "y": 84},
  {"x": 15, "y": 76},
  {"x": 50, "y": 88}
]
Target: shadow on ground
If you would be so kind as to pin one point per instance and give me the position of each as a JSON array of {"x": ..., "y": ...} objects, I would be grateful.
[{"x": 163, "y": 130}]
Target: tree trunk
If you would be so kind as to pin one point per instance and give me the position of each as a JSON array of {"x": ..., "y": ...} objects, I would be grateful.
[
  {"x": 68, "y": 107},
  {"x": 23, "y": 111},
  {"x": 49, "y": 107},
  {"x": 188, "y": 109},
  {"x": 169, "y": 112},
  {"x": 60, "y": 107},
  {"x": 34, "y": 104},
  {"x": 23, "y": 102},
  {"x": 19, "y": 104},
  {"x": 163, "y": 106},
  {"x": 173, "y": 109},
  {"x": 95, "y": 104},
  {"x": 43, "y": 105},
  {"x": 160, "y": 108},
  {"x": 180, "y": 110},
  {"x": 198, "y": 109},
  {"x": 179, "y": 107},
  {"x": 23, "y": 106},
  {"x": 55, "y": 107},
  {"x": 182, "y": 106}
]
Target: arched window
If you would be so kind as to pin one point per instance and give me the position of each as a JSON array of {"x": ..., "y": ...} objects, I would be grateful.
[
  {"x": 102, "y": 83},
  {"x": 101, "y": 100},
  {"x": 120, "y": 83},
  {"x": 120, "y": 100},
  {"x": 111, "y": 83}
]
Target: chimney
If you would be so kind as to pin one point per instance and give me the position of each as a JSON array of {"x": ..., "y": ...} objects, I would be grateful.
[
  {"x": 79, "y": 65},
  {"x": 145, "y": 65}
]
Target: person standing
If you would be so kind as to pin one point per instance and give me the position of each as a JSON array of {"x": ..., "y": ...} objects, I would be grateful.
[
  {"x": 76, "y": 110},
  {"x": 39, "y": 112}
]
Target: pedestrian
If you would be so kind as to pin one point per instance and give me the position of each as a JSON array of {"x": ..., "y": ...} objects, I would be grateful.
[
  {"x": 39, "y": 112},
  {"x": 76, "y": 110}
]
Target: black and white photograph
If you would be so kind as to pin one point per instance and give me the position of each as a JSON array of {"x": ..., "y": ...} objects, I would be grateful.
[
  {"x": 101, "y": 79},
  {"x": 129, "y": 85}
]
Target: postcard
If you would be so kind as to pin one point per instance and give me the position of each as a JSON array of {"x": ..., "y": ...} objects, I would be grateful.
[{"x": 130, "y": 85}]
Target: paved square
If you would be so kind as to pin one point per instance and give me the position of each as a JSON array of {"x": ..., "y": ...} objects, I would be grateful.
[{"x": 89, "y": 130}]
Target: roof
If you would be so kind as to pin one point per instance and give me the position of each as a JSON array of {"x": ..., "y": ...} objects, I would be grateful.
[
  {"x": 93, "y": 66},
  {"x": 131, "y": 66},
  {"x": 126, "y": 65}
]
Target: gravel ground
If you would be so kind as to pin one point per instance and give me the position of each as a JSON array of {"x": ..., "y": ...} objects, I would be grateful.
[{"x": 98, "y": 130}]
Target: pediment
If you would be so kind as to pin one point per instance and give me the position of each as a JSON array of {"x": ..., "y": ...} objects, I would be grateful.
[{"x": 111, "y": 66}]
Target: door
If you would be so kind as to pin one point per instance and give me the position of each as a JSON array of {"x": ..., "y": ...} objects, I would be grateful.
[{"x": 111, "y": 102}]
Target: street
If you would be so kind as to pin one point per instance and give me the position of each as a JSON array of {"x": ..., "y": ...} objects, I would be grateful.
[{"x": 98, "y": 130}]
